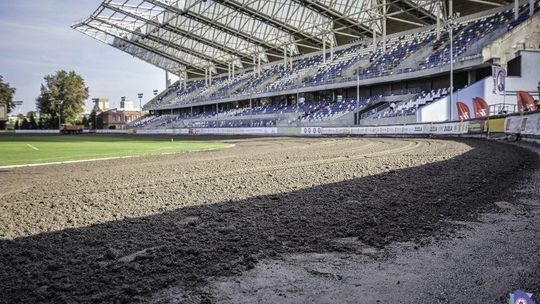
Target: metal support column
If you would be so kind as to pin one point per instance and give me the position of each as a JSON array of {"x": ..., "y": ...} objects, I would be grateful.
[
  {"x": 285, "y": 58},
  {"x": 451, "y": 23},
  {"x": 324, "y": 48},
  {"x": 358, "y": 89},
  {"x": 290, "y": 60},
  {"x": 374, "y": 28},
  {"x": 331, "y": 50},
  {"x": 516, "y": 9},
  {"x": 384, "y": 26},
  {"x": 259, "y": 66},
  {"x": 438, "y": 26},
  {"x": 297, "y": 100}
]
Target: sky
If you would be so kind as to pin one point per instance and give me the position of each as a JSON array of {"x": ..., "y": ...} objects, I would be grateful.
[{"x": 36, "y": 40}]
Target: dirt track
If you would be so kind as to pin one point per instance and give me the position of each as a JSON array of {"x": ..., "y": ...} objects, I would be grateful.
[{"x": 128, "y": 230}]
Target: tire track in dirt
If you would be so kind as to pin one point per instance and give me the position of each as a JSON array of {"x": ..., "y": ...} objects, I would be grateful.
[{"x": 349, "y": 155}]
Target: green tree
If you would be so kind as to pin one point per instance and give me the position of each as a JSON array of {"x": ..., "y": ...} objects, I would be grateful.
[
  {"x": 16, "y": 127},
  {"x": 32, "y": 120},
  {"x": 41, "y": 123},
  {"x": 67, "y": 87},
  {"x": 6, "y": 94},
  {"x": 25, "y": 124},
  {"x": 99, "y": 122},
  {"x": 96, "y": 120},
  {"x": 85, "y": 122},
  {"x": 6, "y": 97}
]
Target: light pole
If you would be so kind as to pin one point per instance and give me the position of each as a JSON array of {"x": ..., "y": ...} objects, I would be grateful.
[
  {"x": 155, "y": 94},
  {"x": 59, "y": 104},
  {"x": 18, "y": 104},
  {"x": 140, "y": 95},
  {"x": 450, "y": 23}
]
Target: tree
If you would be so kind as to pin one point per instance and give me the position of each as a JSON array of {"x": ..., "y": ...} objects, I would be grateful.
[
  {"x": 67, "y": 87},
  {"x": 25, "y": 124},
  {"x": 6, "y": 97},
  {"x": 16, "y": 127},
  {"x": 96, "y": 119},
  {"x": 6, "y": 94},
  {"x": 41, "y": 123},
  {"x": 85, "y": 122},
  {"x": 32, "y": 119},
  {"x": 99, "y": 122}
]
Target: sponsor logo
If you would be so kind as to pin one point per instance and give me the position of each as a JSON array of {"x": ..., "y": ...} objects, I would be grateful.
[
  {"x": 475, "y": 127},
  {"x": 520, "y": 297}
]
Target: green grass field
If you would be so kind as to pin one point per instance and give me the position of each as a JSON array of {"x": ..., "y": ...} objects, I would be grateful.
[{"x": 17, "y": 150}]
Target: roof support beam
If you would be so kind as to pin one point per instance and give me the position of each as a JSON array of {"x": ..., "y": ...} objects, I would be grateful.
[
  {"x": 336, "y": 16},
  {"x": 146, "y": 48},
  {"x": 248, "y": 11},
  {"x": 416, "y": 11},
  {"x": 164, "y": 43},
  {"x": 178, "y": 31},
  {"x": 151, "y": 58},
  {"x": 487, "y": 2},
  {"x": 217, "y": 25}
]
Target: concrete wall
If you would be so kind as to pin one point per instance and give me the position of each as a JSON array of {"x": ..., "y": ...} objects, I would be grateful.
[{"x": 526, "y": 36}]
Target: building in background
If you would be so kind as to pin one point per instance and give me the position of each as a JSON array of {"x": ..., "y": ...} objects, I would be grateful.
[
  {"x": 127, "y": 105},
  {"x": 119, "y": 118}
]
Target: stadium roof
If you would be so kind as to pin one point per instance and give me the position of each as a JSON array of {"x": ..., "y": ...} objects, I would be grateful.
[{"x": 195, "y": 35}]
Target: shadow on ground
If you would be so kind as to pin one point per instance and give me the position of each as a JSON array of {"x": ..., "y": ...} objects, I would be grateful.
[{"x": 128, "y": 260}]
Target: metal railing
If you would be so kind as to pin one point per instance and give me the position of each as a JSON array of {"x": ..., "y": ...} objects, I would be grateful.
[{"x": 502, "y": 108}]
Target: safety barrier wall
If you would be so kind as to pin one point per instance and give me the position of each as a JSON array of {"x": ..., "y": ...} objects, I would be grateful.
[
  {"x": 454, "y": 128},
  {"x": 36, "y": 131},
  {"x": 527, "y": 125},
  {"x": 110, "y": 131},
  {"x": 162, "y": 131},
  {"x": 234, "y": 131}
]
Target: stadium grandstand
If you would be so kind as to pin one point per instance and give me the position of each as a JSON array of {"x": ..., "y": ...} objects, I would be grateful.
[{"x": 246, "y": 63}]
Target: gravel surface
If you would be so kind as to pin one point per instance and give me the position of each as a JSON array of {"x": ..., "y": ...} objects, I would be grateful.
[{"x": 160, "y": 229}]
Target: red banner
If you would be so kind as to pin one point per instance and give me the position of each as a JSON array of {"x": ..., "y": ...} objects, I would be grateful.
[
  {"x": 481, "y": 108},
  {"x": 463, "y": 111},
  {"x": 525, "y": 102}
]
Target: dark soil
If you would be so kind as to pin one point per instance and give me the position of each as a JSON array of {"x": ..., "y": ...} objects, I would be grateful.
[{"x": 122, "y": 230}]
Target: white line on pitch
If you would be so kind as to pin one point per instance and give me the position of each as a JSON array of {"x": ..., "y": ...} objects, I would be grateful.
[
  {"x": 32, "y": 147},
  {"x": 107, "y": 158}
]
